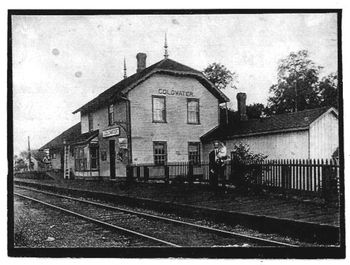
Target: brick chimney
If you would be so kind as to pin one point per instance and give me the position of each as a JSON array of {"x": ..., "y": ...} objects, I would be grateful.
[
  {"x": 141, "y": 61},
  {"x": 241, "y": 98}
]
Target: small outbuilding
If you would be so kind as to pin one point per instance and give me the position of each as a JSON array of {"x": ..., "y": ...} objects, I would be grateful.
[{"x": 308, "y": 134}]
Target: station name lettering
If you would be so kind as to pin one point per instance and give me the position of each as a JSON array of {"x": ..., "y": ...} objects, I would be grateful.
[{"x": 175, "y": 92}]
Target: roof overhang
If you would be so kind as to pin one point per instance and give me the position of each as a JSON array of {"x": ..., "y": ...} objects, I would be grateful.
[
  {"x": 229, "y": 137},
  {"x": 121, "y": 96},
  {"x": 201, "y": 78},
  {"x": 82, "y": 140}
]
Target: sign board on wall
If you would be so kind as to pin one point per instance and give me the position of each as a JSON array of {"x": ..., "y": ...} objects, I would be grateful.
[
  {"x": 175, "y": 92},
  {"x": 123, "y": 143},
  {"x": 110, "y": 132}
]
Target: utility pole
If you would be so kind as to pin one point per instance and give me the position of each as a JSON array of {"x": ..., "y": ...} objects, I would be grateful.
[
  {"x": 29, "y": 155},
  {"x": 296, "y": 96}
]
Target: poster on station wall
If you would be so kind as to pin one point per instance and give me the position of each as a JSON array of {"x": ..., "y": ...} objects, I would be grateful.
[{"x": 123, "y": 143}]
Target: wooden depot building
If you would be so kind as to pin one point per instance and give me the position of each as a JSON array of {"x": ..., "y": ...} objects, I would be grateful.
[{"x": 155, "y": 116}]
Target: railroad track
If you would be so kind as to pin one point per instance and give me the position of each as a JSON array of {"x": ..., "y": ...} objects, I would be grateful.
[{"x": 161, "y": 230}]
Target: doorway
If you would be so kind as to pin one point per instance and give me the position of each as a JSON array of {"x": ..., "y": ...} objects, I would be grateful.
[{"x": 112, "y": 158}]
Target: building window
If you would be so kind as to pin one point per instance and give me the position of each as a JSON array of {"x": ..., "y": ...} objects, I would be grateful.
[
  {"x": 160, "y": 153},
  {"x": 94, "y": 157},
  {"x": 90, "y": 120},
  {"x": 111, "y": 114},
  {"x": 158, "y": 109},
  {"x": 80, "y": 159},
  {"x": 194, "y": 153},
  {"x": 193, "y": 111}
]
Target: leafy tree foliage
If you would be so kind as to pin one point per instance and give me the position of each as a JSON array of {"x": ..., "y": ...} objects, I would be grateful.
[
  {"x": 328, "y": 91},
  {"x": 220, "y": 76},
  {"x": 24, "y": 155},
  {"x": 297, "y": 84},
  {"x": 20, "y": 164},
  {"x": 255, "y": 111}
]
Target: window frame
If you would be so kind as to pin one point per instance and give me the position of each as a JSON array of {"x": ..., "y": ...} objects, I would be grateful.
[
  {"x": 90, "y": 122},
  {"x": 198, "y": 160},
  {"x": 198, "y": 111},
  {"x": 158, "y": 121},
  {"x": 94, "y": 158},
  {"x": 164, "y": 143},
  {"x": 110, "y": 114},
  {"x": 80, "y": 160}
]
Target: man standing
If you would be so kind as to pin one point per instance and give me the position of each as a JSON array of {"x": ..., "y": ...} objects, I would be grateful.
[{"x": 214, "y": 166}]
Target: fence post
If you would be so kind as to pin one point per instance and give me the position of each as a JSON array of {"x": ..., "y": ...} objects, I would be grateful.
[
  {"x": 166, "y": 172},
  {"x": 331, "y": 192},
  {"x": 129, "y": 173},
  {"x": 138, "y": 173},
  {"x": 190, "y": 173},
  {"x": 285, "y": 174},
  {"x": 145, "y": 173}
]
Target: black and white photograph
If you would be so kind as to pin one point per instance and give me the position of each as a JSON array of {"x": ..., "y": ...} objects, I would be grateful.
[{"x": 175, "y": 133}]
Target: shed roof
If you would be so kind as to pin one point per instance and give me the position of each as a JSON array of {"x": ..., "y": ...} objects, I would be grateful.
[
  {"x": 165, "y": 66},
  {"x": 68, "y": 135},
  {"x": 84, "y": 138},
  {"x": 300, "y": 120}
]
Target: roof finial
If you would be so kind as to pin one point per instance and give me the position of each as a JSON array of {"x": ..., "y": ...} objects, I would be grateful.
[
  {"x": 125, "y": 76},
  {"x": 166, "y": 55}
]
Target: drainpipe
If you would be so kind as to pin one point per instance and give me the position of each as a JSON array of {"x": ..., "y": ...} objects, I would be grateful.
[
  {"x": 308, "y": 143},
  {"x": 128, "y": 114}
]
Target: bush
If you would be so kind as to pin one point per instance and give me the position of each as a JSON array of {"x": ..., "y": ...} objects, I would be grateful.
[{"x": 246, "y": 165}]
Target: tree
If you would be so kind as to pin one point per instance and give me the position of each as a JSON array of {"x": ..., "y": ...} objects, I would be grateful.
[
  {"x": 328, "y": 90},
  {"x": 20, "y": 164},
  {"x": 220, "y": 76},
  {"x": 255, "y": 111},
  {"x": 297, "y": 84},
  {"x": 24, "y": 155}
]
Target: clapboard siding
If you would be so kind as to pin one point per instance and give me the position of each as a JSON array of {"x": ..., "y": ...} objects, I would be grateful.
[
  {"x": 324, "y": 138},
  {"x": 176, "y": 132},
  {"x": 275, "y": 146}
]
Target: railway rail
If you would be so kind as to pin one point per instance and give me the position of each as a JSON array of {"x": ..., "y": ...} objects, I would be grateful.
[{"x": 163, "y": 231}]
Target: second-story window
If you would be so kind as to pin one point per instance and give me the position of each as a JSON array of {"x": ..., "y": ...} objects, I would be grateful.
[
  {"x": 91, "y": 122},
  {"x": 110, "y": 114},
  {"x": 158, "y": 109},
  {"x": 193, "y": 111}
]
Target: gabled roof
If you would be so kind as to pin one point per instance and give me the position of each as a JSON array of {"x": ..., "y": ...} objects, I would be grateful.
[
  {"x": 295, "y": 121},
  {"x": 68, "y": 135},
  {"x": 165, "y": 66}
]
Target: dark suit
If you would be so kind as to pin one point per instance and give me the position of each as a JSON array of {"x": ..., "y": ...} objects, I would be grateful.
[{"x": 213, "y": 166}]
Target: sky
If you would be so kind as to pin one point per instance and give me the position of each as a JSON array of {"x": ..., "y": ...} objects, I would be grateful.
[{"x": 62, "y": 62}]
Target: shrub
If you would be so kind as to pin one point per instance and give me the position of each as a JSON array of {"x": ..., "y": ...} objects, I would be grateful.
[{"x": 246, "y": 165}]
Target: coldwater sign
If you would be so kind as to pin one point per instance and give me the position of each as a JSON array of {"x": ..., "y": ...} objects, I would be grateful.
[
  {"x": 175, "y": 92},
  {"x": 110, "y": 132}
]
